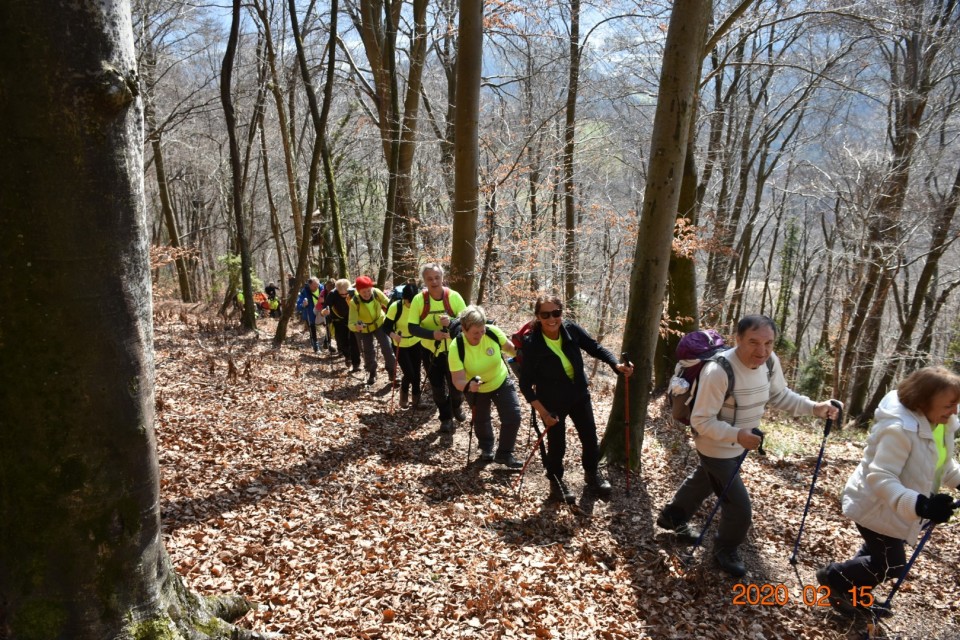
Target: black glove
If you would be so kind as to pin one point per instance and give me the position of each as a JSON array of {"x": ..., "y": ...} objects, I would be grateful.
[{"x": 937, "y": 509}]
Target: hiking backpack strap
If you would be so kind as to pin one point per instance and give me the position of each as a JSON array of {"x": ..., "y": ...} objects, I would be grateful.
[
  {"x": 728, "y": 369},
  {"x": 426, "y": 306},
  {"x": 446, "y": 302}
]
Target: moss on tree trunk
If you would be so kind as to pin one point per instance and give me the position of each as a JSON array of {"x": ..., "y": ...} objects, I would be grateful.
[{"x": 81, "y": 553}]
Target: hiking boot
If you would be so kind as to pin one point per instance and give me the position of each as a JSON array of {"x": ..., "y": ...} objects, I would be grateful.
[
  {"x": 560, "y": 492},
  {"x": 839, "y": 598},
  {"x": 316, "y": 346},
  {"x": 730, "y": 561},
  {"x": 507, "y": 460},
  {"x": 416, "y": 401},
  {"x": 447, "y": 426},
  {"x": 459, "y": 414},
  {"x": 371, "y": 378},
  {"x": 486, "y": 455},
  {"x": 392, "y": 375},
  {"x": 682, "y": 530},
  {"x": 404, "y": 398},
  {"x": 355, "y": 368},
  {"x": 598, "y": 483}
]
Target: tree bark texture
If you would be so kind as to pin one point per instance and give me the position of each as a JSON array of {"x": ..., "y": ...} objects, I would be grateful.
[
  {"x": 81, "y": 554},
  {"x": 467, "y": 149},
  {"x": 648, "y": 279}
]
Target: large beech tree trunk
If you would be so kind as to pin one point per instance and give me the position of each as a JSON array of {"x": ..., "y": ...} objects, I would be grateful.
[
  {"x": 81, "y": 553},
  {"x": 648, "y": 279}
]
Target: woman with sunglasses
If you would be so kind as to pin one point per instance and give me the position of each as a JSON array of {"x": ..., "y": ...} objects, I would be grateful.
[{"x": 554, "y": 381}]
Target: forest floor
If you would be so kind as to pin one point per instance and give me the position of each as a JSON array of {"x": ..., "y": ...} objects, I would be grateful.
[{"x": 286, "y": 480}]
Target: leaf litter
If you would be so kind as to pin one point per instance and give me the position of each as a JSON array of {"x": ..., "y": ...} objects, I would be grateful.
[{"x": 285, "y": 479}]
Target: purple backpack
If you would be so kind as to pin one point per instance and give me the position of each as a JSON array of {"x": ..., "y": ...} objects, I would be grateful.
[{"x": 695, "y": 348}]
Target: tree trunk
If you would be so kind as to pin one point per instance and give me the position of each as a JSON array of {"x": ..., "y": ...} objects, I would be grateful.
[
  {"x": 391, "y": 135},
  {"x": 467, "y": 149},
  {"x": 671, "y": 126},
  {"x": 282, "y": 125},
  {"x": 183, "y": 273},
  {"x": 81, "y": 553},
  {"x": 683, "y": 313},
  {"x": 490, "y": 249},
  {"x": 249, "y": 320},
  {"x": 569, "y": 146},
  {"x": 404, "y": 252}
]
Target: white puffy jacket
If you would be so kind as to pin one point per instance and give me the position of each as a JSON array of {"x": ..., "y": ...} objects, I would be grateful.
[{"x": 898, "y": 464}]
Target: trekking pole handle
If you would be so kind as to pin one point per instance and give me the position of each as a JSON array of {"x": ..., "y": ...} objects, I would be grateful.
[
  {"x": 839, "y": 407},
  {"x": 624, "y": 358},
  {"x": 756, "y": 431}
]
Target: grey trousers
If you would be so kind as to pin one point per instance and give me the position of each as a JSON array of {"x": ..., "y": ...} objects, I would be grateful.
[
  {"x": 370, "y": 354},
  {"x": 710, "y": 477},
  {"x": 508, "y": 407}
]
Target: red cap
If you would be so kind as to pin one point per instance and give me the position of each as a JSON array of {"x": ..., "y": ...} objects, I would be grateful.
[{"x": 364, "y": 282}]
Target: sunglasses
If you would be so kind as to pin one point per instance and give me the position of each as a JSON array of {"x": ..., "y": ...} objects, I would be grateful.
[{"x": 546, "y": 315}]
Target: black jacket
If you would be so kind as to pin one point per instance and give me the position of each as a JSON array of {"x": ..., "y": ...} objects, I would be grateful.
[{"x": 541, "y": 373}]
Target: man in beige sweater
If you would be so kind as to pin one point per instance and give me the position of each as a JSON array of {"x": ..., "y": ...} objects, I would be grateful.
[{"x": 722, "y": 426}]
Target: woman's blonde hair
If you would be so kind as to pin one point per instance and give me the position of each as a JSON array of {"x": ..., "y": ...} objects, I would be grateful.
[
  {"x": 471, "y": 317},
  {"x": 917, "y": 390}
]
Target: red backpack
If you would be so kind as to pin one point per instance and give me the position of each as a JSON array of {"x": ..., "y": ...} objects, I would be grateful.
[
  {"x": 446, "y": 304},
  {"x": 517, "y": 340}
]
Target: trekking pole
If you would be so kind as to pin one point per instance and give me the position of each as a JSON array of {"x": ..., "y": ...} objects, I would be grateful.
[
  {"x": 733, "y": 476},
  {"x": 539, "y": 444},
  {"x": 929, "y": 527},
  {"x": 626, "y": 411},
  {"x": 473, "y": 418},
  {"x": 816, "y": 470},
  {"x": 542, "y": 447},
  {"x": 393, "y": 382}
]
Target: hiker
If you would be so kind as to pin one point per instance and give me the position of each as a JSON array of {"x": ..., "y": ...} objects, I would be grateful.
[
  {"x": 408, "y": 346},
  {"x": 336, "y": 310},
  {"x": 273, "y": 303},
  {"x": 554, "y": 382},
  {"x": 307, "y": 302},
  {"x": 430, "y": 314},
  {"x": 327, "y": 287},
  {"x": 366, "y": 319},
  {"x": 722, "y": 429},
  {"x": 908, "y": 460},
  {"x": 478, "y": 370}
]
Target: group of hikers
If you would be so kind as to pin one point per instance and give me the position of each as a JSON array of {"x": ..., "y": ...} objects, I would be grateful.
[{"x": 895, "y": 490}]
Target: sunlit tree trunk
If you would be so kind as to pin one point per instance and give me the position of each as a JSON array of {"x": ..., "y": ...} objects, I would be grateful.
[
  {"x": 648, "y": 279},
  {"x": 466, "y": 149}
]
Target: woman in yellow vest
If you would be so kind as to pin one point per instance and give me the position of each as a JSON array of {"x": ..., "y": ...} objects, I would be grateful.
[
  {"x": 908, "y": 461},
  {"x": 408, "y": 346},
  {"x": 367, "y": 306},
  {"x": 476, "y": 355}
]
